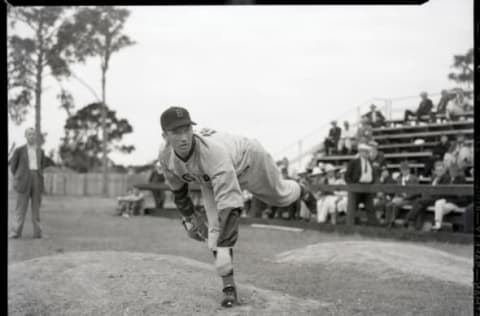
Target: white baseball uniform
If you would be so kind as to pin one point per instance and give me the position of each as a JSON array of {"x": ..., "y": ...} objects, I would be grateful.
[{"x": 223, "y": 165}]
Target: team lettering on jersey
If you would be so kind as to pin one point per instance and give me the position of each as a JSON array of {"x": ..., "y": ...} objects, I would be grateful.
[{"x": 194, "y": 178}]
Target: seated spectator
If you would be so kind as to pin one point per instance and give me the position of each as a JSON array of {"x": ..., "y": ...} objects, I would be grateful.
[
  {"x": 331, "y": 142},
  {"x": 415, "y": 216},
  {"x": 381, "y": 199},
  {"x": 326, "y": 201},
  {"x": 438, "y": 152},
  {"x": 360, "y": 170},
  {"x": 342, "y": 149},
  {"x": 341, "y": 202},
  {"x": 400, "y": 200},
  {"x": 348, "y": 134},
  {"x": 457, "y": 106},
  {"x": 131, "y": 203},
  {"x": 424, "y": 109},
  {"x": 377, "y": 158},
  {"x": 156, "y": 176},
  {"x": 442, "y": 103},
  {"x": 450, "y": 157},
  {"x": 450, "y": 204},
  {"x": 375, "y": 117},
  {"x": 364, "y": 131},
  {"x": 464, "y": 154}
]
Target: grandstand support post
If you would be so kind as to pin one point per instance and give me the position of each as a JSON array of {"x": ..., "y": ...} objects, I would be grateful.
[
  {"x": 300, "y": 154},
  {"x": 388, "y": 106}
]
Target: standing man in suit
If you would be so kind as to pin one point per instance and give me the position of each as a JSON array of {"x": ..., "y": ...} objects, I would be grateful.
[
  {"x": 415, "y": 216},
  {"x": 27, "y": 165},
  {"x": 360, "y": 170},
  {"x": 331, "y": 142}
]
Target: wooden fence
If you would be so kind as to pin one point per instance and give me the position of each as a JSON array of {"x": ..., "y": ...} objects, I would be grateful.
[{"x": 87, "y": 184}]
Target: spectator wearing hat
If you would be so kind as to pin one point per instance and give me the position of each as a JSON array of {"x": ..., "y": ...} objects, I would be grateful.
[
  {"x": 400, "y": 200},
  {"x": 442, "y": 103},
  {"x": 341, "y": 202},
  {"x": 450, "y": 203},
  {"x": 457, "y": 106},
  {"x": 375, "y": 117},
  {"x": 415, "y": 216},
  {"x": 381, "y": 199},
  {"x": 327, "y": 198},
  {"x": 377, "y": 158},
  {"x": 364, "y": 132},
  {"x": 464, "y": 154},
  {"x": 331, "y": 142},
  {"x": 438, "y": 152},
  {"x": 360, "y": 171},
  {"x": 424, "y": 108},
  {"x": 345, "y": 146}
]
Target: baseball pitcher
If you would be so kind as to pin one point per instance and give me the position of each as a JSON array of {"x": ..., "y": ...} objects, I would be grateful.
[{"x": 223, "y": 165}]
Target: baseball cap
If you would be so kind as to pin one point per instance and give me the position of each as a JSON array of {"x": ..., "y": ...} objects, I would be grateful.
[{"x": 174, "y": 117}]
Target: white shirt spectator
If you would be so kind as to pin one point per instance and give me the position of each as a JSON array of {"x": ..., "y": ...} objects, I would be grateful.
[
  {"x": 349, "y": 133},
  {"x": 366, "y": 176},
  {"x": 32, "y": 157}
]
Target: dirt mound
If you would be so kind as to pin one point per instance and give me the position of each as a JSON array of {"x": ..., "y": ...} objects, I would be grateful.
[
  {"x": 385, "y": 259},
  {"x": 125, "y": 283}
]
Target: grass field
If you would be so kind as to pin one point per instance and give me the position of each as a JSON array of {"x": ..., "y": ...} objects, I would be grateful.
[{"x": 327, "y": 284}]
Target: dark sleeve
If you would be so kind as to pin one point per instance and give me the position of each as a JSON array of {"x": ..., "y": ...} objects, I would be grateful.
[
  {"x": 183, "y": 201},
  {"x": 349, "y": 172},
  {"x": 382, "y": 118},
  {"x": 15, "y": 160}
]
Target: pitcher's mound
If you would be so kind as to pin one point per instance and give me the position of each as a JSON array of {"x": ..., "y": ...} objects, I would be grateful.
[
  {"x": 385, "y": 259},
  {"x": 125, "y": 283}
]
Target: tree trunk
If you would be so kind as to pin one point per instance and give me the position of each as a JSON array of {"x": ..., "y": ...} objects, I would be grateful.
[
  {"x": 104, "y": 134},
  {"x": 38, "y": 97}
]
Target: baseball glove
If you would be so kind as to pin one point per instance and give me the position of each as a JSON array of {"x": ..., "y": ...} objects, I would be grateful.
[{"x": 196, "y": 226}]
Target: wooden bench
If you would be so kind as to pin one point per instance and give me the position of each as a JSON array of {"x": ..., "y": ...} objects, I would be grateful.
[
  {"x": 423, "y": 154},
  {"x": 445, "y": 125},
  {"x": 423, "y": 189},
  {"x": 412, "y": 145},
  {"x": 424, "y": 134},
  {"x": 429, "y": 180},
  {"x": 410, "y": 165},
  {"x": 426, "y": 117}
]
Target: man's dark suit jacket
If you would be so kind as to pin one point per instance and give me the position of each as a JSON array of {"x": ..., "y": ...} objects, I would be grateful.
[
  {"x": 412, "y": 179},
  {"x": 19, "y": 165},
  {"x": 425, "y": 107},
  {"x": 380, "y": 118},
  {"x": 354, "y": 171},
  {"x": 445, "y": 179},
  {"x": 335, "y": 133}
]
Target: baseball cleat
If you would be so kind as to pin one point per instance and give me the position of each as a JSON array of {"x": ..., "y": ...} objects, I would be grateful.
[{"x": 229, "y": 296}]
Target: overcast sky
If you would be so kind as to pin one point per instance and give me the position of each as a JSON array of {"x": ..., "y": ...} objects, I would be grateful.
[{"x": 272, "y": 73}]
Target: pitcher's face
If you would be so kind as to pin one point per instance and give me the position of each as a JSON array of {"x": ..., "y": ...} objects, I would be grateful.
[{"x": 181, "y": 139}]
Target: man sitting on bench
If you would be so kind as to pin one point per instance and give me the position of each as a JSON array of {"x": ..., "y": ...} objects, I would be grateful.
[
  {"x": 415, "y": 216},
  {"x": 451, "y": 203},
  {"x": 424, "y": 109}
]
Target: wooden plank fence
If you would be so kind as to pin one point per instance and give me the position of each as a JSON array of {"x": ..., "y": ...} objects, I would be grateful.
[{"x": 87, "y": 184}]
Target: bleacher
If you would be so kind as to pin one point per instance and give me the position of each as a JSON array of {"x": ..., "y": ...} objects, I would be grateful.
[{"x": 398, "y": 143}]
